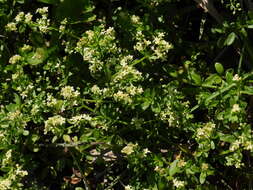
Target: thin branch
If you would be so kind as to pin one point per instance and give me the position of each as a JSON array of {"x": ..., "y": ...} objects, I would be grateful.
[
  {"x": 208, "y": 6},
  {"x": 67, "y": 145}
]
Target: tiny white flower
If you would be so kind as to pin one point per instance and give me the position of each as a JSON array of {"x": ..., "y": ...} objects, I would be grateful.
[
  {"x": 236, "y": 77},
  {"x": 236, "y": 108}
]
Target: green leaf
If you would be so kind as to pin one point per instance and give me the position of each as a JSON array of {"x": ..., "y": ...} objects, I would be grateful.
[
  {"x": 17, "y": 99},
  {"x": 229, "y": 76},
  {"x": 48, "y": 1},
  {"x": 248, "y": 90},
  {"x": 195, "y": 77},
  {"x": 219, "y": 68},
  {"x": 145, "y": 105},
  {"x": 173, "y": 168},
  {"x": 227, "y": 137},
  {"x": 20, "y": 1},
  {"x": 25, "y": 132},
  {"x": 202, "y": 177},
  {"x": 230, "y": 39},
  {"x": 79, "y": 188},
  {"x": 213, "y": 79},
  {"x": 12, "y": 107},
  {"x": 37, "y": 57}
]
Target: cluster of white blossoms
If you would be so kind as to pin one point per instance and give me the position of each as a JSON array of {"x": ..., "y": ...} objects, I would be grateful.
[
  {"x": 244, "y": 141},
  {"x": 125, "y": 72},
  {"x": 12, "y": 26},
  {"x": 157, "y": 45},
  {"x": 177, "y": 183},
  {"x": 13, "y": 178},
  {"x": 234, "y": 159},
  {"x": 25, "y": 91},
  {"x": 122, "y": 96},
  {"x": 129, "y": 148},
  {"x": 181, "y": 163},
  {"x": 26, "y": 48},
  {"x": 79, "y": 118},
  {"x": 21, "y": 17},
  {"x": 14, "y": 115},
  {"x": 145, "y": 152},
  {"x": 127, "y": 93},
  {"x": 135, "y": 19},
  {"x": 68, "y": 92},
  {"x": 51, "y": 101},
  {"x": 44, "y": 21},
  {"x": 15, "y": 59},
  {"x": 95, "y": 44},
  {"x": 206, "y": 131},
  {"x": 235, "y": 108},
  {"x": 52, "y": 122},
  {"x": 160, "y": 47},
  {"x": 63, "y": 25},
  {"x": 7, "y": 158},
  {"x": 168, "y": 115}
]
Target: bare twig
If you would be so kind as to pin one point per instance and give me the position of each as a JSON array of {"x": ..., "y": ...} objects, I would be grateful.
[{"x": 67, "y": 145}]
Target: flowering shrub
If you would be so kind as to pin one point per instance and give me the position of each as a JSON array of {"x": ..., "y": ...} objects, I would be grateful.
[{"x": 144, "y": 94}]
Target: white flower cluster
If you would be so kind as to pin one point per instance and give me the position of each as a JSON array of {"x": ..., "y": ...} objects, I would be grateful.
[
  {"x": 234, "y": 159},
  {"x": 68, "y": 92},
  {"x": 51, "y": 101},
  {"x": 7, "y": 158},
  {"x": 26, "y": 48},
  {"x": 145, "y": 152},
  {"x": 128, "y": 187},
  {"x": 168, "y": 115},
  {"x": 95, "y": 44},
  {"x": 177, "y": 183},
  {"x": 135, "y": 19},
  {"x": 43, "y": 22},
  {"x": 129, "y": 148},
  {"x": 15, "y": 59},
  {"x": 158, "y": 45},
  {"x": 235, "y": 108},
  {"x": 13, "y": 177},
  {"x": 53, "y": 122},
  {"x": 79, "y": 118},
  {"x": 206, "y": 131},
  {"x": 244, "y": 140},
  {"x": 12, "y": 26},
  {"x": 25, "y": 92},
  {"x": 121, "y": 96},
  {"x": 21, "y": 17},
  {"x": 14, "y": 115},
  {"x": 63, "y": 25},
  {"x": 125, "y": 72}
]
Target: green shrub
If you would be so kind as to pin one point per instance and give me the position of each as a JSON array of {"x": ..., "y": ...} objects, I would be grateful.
[{"x": 152, "y": 94}]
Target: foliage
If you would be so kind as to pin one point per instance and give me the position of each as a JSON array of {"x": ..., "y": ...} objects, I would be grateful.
[{"x": 150, "y": 94}]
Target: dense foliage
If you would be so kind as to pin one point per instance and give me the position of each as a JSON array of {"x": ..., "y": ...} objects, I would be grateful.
[{"x": 126, "y": 94}]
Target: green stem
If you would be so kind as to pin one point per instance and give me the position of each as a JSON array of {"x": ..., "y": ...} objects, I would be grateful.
[{"x": 240, "y": 61}]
